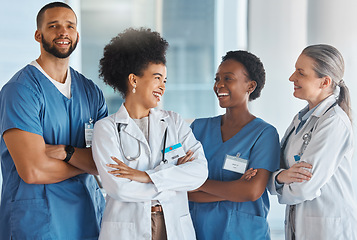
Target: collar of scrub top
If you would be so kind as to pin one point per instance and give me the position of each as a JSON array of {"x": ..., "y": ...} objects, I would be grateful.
[{"x": 303, "y": 115}]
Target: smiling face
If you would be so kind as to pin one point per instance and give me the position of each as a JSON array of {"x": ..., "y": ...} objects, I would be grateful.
[
  {"x": 58, "y": 32},
  {"x": 150, "y": 86},
  {"x": 232, "y": 84},
  {"x": 307, "y": 85}
]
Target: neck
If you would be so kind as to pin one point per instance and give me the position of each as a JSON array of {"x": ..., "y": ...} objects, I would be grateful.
[
  {"x": 135, "y": 110},
  {"x": 55, "y": 67},
  {"x": 314, "y": 103},
  {"x": 237, "y": 116}
]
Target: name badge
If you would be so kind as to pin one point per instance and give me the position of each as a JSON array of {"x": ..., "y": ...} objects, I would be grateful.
[
  {"x": 235, "y": 164},
  {"x": 88, "y": 132},
  {"x": 174, "y": 152}
]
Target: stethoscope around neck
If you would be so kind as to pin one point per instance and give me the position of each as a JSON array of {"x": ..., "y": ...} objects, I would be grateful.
[
  {"x": 130, "y": 158},
  {"x": 306, "y": 140}
]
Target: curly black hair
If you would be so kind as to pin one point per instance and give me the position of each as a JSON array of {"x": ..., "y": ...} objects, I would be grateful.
[
  {"x": 254, "y": 67},
  {"x": 131, "y": 52}
]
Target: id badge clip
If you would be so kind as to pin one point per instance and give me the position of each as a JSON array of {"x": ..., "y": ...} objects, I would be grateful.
[
  {"x": 235, "y": 164},
  {"x": 174, "y": 152},
  {"x": 88, "y": 132}
]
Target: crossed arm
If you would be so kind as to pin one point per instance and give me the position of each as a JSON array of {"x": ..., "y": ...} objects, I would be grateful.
[
  {"x": 40, "y": 163},
  {"x": 249, "y": 187}
]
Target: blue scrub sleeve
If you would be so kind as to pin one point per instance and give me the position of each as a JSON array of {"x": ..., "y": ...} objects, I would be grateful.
[
  {"x": 102, "y": 106},
  {"x": 20, "y": 108},
  {"x": 266, "y": 150}
]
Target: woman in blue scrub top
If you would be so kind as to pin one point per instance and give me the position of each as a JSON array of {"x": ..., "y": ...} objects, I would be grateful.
[{"x": 229, "y": 206}]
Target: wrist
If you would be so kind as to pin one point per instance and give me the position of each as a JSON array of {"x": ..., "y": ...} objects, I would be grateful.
[
  {"x": 277, "y": 178},
  {"x": 69, "y": 153}
]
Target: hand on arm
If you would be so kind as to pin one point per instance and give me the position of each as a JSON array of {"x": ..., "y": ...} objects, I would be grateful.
[
  {"x": 187, "y": 158},
  {"x": 82, "y": 157},
  {"x": 296, "y": 173},
  {"x": 29, "y": 153},
  {"x": 123, "y": 171}
]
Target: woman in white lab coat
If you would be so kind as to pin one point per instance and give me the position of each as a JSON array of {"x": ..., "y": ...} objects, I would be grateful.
[
  {"x": 315, "y": 179},
  {"x": 146, "y": 189}
]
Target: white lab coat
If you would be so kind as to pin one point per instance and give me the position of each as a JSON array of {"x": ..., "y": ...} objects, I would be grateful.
[
  {"x": 128, "y": 204},
  {"x": 325, "y": 205}
]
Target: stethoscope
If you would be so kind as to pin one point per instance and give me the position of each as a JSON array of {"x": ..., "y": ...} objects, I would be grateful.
[
  {"x": 306, "y": 140},
  {"x": 129, "y": 158}
]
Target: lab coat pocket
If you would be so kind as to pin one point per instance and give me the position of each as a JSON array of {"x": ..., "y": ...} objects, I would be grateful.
[
  {"x": 30, "y": 219},
  {"x": 187, "y": 227},
  {"x": 323, "y": 228},
  {"x": 117, "y": 230}
]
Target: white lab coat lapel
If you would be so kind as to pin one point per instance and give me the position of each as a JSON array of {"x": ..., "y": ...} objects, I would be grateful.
[
  {"x": 129, "y": 126},
  {"x": 157, "y": 126}
]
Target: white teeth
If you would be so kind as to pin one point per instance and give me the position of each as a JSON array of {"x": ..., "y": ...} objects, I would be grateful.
[
  {"x": 222, "y": 94},
  {"x": 157, "y": 95},
  {"x": 63, "y": 42}
]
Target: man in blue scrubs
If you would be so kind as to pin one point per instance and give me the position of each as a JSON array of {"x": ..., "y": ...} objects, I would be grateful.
[{"x": 47, "y": 112}]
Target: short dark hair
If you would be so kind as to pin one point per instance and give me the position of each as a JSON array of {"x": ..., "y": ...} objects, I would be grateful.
[
  {"x": 131, "y": 52},
  {"x": 39, "y": 17},
  {"x": 254, "y": 67}
]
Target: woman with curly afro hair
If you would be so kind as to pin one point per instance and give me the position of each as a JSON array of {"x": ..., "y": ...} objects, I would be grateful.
[
  {"x": 147, "y": 158},
  {"x": 234, "y": 198}
]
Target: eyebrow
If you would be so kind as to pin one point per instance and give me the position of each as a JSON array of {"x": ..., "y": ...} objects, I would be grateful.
[{"x": 56, "y": 21}]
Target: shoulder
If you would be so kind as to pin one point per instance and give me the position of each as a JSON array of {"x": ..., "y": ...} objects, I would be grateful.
[
  {"x": 28, "y": 77},
  {"x": 263, "y": 127},
  {"x": 26, "y": 82},
  {"x": 80, "y": 78},
  {"x": 105, "y": 123},
  {"x": 335, "y": 118},
  {"x": 206, "y": 121}
]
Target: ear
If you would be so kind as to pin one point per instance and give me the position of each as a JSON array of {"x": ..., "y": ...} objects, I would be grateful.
[
  {"x": 38, "y": 36},
  {"x": 251, "y": 86},
  {"x": 326, "y": 82},
  {"x": 132, "y": 79},
  {"x": 77, "y": 37}
]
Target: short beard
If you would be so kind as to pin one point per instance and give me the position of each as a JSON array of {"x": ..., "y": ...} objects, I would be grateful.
[{"x": 53, "y": 50}]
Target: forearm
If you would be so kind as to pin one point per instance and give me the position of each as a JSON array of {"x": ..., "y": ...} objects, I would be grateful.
[
  {"x": 83, "y": 159},
  {"x": 33, "y": 163},
  {"x": 235, "y": 191},
  {"x": 52, "y": 171},
  {"x": 240, "y": 190},
  {"x": 200, "y": 196}
]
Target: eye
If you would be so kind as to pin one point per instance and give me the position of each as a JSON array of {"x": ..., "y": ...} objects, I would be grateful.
[{"x": 216, "y": 79}]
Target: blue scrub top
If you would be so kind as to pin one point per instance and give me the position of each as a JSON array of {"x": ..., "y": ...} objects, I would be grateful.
[
  {"x": 257, "y": 142},
  {"x": 71, "y": 209}
]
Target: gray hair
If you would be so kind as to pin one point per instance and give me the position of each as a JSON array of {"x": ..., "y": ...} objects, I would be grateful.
[{"x": 329, "y": 62}]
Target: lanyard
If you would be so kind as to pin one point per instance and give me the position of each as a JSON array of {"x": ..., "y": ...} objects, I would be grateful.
[{"x": 306, "y": 138}]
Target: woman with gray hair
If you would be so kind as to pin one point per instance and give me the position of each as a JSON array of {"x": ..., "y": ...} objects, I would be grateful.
[{"x": 315, "y": 179}]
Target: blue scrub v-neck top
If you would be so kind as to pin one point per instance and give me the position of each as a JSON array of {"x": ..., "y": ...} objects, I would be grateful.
[
  {"x": 71, "y": 209},
  {"x": 257, "y": 142}
]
